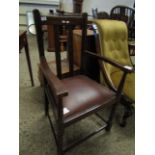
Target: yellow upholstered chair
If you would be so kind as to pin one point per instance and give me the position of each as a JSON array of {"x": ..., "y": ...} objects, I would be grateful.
[{"x": 113, "y": 39}]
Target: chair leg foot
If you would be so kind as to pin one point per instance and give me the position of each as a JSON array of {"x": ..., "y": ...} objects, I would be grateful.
[
  {"x": 46, "y": 105},
  {"x": 112, "y": 113},
  {"x": 128, "y": 112},
  {"x": 60, "y": 153},
  {"x": 60, "y": 143},
  {"x": 123, "y": 123},
  {"x": 108, "y": 127}
]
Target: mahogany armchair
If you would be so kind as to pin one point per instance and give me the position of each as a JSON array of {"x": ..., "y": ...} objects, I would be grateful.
[{"x": 72, "y": 95}]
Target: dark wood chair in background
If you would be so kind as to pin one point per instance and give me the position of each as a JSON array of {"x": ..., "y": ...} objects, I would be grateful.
[
  {"x": 122, "y": 13},
  {"x": 72, "y": 95},
  {"x": 127, "y": 15}
]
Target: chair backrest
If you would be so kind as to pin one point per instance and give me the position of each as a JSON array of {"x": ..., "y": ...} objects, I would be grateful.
[
  {"x": 57, "y": 22},
  {"x": 113, "y": 37},
  {"x": 126, "y": 14},
  {"x": 122, "y": 13}
]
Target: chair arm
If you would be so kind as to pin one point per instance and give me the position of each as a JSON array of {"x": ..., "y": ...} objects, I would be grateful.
[
  {"x": 55, "y": 84},
  {"x": 127, "y": 69}
]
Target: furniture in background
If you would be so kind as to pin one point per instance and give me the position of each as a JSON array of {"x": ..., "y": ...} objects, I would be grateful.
[
  {"x": 114, "y": 45},
  {"x": 123, "y": 13},
  {"x": 127, "y": 15},
  {"x": 24, "y": 44},
  {"x": 73, "y": 96},
  {"x": 131, "y": 44},
  {"x": 77, "y": 6},
  {"x": 50, "y": 38},
  {"x": 100, "y": 15},
  {"x": 63, "y": 38}
]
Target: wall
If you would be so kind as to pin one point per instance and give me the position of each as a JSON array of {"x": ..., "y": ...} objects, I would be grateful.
[
  {"x": 102, "y": 5},
  {"x": 40, "y": 1},
  {"x": 67, "y": 5}
]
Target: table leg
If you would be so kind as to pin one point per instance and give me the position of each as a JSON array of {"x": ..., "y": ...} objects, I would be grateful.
[{"x": 29, "y": 62}]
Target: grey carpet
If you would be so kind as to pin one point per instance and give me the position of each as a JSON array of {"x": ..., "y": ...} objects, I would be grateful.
[{"x": 36, "y": 137}]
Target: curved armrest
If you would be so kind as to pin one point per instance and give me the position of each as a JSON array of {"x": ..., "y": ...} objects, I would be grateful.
[
  {"x": 55, "y": 84},
  {"x": 127, "y": 69}
]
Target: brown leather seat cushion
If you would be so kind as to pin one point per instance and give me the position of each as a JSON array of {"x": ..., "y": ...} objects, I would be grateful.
[{"x": 84, "y": 96}]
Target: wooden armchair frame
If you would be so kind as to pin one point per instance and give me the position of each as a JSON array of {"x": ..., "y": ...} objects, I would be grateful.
[{"x": 55, "y": 87}]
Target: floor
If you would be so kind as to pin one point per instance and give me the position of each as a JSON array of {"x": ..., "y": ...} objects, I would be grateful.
[{"x": 36, "y": 137}]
